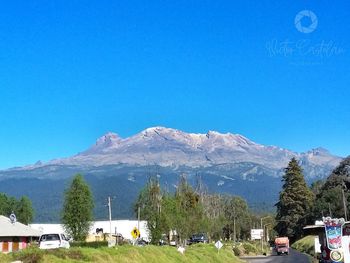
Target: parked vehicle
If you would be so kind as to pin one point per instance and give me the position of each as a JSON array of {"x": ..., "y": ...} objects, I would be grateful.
[
  {"x": 198, "y": 238},
  {"x": 282, "y": 245},
  {"x": 141, "y": 242},
  {"x": 54, "y": 240},
  {"x": 173, "y": 243}
]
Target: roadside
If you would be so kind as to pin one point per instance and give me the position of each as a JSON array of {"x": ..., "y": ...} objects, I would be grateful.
[
  {"x": 293, "y": 257},
  {"x": 249, "y": 252},
  {"x": 251, "y": 249},
  {"x": 201, "y": 253},
  {"x": 306, "y": 245}
]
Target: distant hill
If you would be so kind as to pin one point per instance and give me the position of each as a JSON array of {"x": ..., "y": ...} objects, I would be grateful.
[{"x": 227, "y": 163}]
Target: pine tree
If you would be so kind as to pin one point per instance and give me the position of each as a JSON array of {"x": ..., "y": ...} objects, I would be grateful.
[
  {"x": 24, "y": 210},
  {"x": 295, "y": 203},
  {"x": 329, "y": 200},
  {"x": 77, "y": 211}
]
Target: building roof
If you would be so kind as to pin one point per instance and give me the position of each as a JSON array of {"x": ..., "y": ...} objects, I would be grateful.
[
  {"x": 17, "y": 229},
  {"x": 317, "y": 228}
]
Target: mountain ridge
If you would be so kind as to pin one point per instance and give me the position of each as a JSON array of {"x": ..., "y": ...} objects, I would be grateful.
[
  {"x": 227, "y": 163},
  {"x": 171, "y": 147}
]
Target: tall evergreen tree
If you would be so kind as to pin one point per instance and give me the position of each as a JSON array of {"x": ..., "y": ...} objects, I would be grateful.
[
  {"x": 24, "y": 210},
  {"x": 329, "y": 200},
  {"x": 295, "y": 203},
  {"x": 77, "y": 211}
]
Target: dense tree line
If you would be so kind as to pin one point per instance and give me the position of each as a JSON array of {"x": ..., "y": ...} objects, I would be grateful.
[
  {"x": 300, "y": 205},
  {"x": 189, "y": 211},
  {"x": 22, "y": 208},
  {"x": 333, "y": 195}
]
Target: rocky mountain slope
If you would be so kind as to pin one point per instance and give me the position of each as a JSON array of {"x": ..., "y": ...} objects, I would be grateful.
[
  {"x": 171, "y": 148},
  {"x": 227, "y": 163}
]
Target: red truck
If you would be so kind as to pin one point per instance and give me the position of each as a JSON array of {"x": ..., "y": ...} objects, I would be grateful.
[{"x": 282, "y": 245}]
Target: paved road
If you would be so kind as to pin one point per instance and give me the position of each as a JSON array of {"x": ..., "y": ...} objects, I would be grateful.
[{"x": 293, "y": 257}]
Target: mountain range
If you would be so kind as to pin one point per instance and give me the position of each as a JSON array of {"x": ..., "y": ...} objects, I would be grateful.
[{"x": 227, "y": 163}]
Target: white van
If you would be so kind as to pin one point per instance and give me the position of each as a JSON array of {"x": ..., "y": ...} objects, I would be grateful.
[{"x": 54, "y": 240}]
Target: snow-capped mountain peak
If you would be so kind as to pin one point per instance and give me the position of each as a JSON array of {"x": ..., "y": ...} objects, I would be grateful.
[
  {"x": 318, "y": 151},
  {"x": 171, "y": 147},
  {"x": 109, "y": 138},
  {"x": 107, "y": 142}
]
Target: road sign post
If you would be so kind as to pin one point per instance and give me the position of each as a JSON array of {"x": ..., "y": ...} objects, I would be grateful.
[
  {"x": 218, "y": 245},
  {"x": 135, "y": 233}
]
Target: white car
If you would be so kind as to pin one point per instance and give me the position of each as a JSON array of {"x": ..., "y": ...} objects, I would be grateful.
[{"x": 50, "y": 241}]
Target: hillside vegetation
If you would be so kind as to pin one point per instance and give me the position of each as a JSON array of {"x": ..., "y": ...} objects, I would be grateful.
[
  {"x": 126, "y": 254},
  {"x": 305, "y": 245}
]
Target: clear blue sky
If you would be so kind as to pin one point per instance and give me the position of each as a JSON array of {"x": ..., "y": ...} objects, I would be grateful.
[{"x": 71, "y": 71}]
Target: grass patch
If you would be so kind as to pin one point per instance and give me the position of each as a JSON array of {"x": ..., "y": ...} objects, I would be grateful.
[
  {"x": 201, "y": 253},
  {"x": 95, "y": 244},
  {"x": 305, "y": 245}
]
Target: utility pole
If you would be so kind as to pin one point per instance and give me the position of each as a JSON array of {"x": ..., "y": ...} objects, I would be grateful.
[
  {"x": 109, "y": 204},
  {"x": 116, "y": 235},
  {"x": 110, "y": 218},
  {"x": 344, "y": 205},
  {"x": 262, "y": 236},
  {"x": 267, "y": 232},
  {"x": 234, "y": 229},
  {"x": 234, "y": 223},
  {"x": 138, "y": 218},
  {"x": 330, "y": 211}
]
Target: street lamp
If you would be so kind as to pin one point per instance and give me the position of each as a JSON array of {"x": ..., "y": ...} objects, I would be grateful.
[{"x": 261, "y": 227}]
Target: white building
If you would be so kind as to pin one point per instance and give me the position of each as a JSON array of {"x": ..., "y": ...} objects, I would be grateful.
[{"x": 123, "y": 227}]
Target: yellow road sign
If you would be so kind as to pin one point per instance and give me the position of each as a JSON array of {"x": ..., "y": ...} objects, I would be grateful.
[{"x": 135, "y": 233}]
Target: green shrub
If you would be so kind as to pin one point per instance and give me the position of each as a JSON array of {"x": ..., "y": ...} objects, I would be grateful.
[
  {"x": 249, "y": 248},
  {"x": 237, "y": 251},
  {"x": 29, "y": 255}
]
